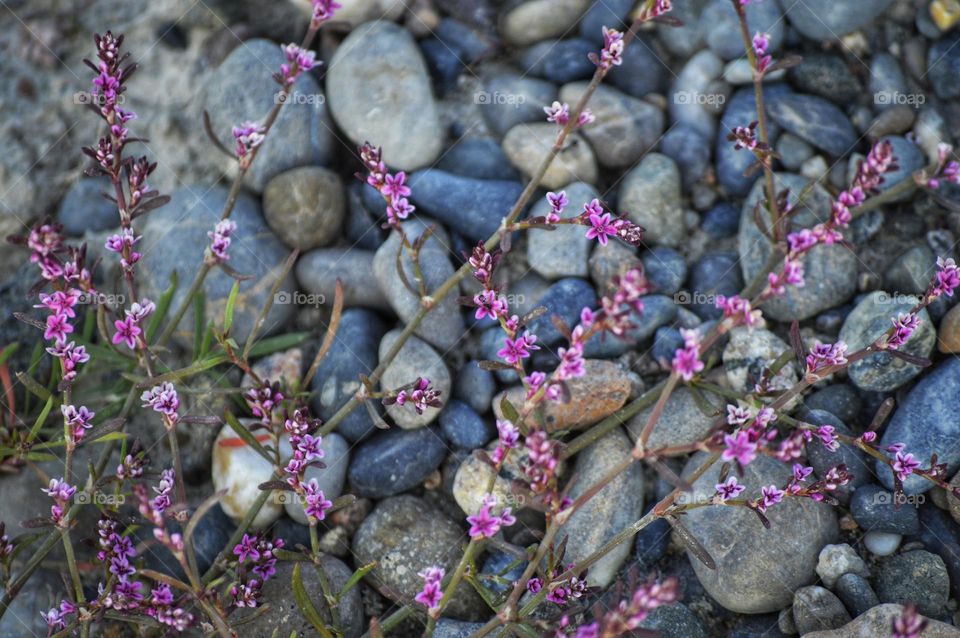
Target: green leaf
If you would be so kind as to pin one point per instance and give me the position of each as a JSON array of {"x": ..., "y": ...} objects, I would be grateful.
[
  {"x": 199, "y": 324},
  {"x": 40, "y": 457},
  {"x": 111, "y": 436},
  {"x": 278, "y": 343},
  {"x": 207, "y": 340},
  {"x": 8, "y": 351},
  {"x": 35, "y": 388},
  {"x": 163, "y": 306},
  {"x": 231, "y": 301},
  {"x": 355, "y": 578},
  {"x": 509, "y": 412},
  {"x": 247, "y": 436},
  {"x": 35, "y": 430},
  {"x": 305, "y": 604}
]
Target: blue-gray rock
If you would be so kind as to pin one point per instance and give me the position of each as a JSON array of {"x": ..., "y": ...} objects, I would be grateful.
[
  {"x": 881, "y": 371},
  {"x": 443, "y": 327},
  {"x": 757, "y": 626},
  {"x": 814, "y": 120},
  {"x": 926, "y": 422},
  {"x": 650, "y": 196},
  {"x": 353, "y": 352},
  {"x": 690, "y": 149},
  {"x": 362, "y": 89},
  {"x": 731, "y": 164},
  {"x": 564, "y": 299},
  {"x": 624, "y": 127},
  {"x": 183, "y": 224},
  {"x": 210, "y": 536},
  {"x": 362, "y": 227},
  {"x": 468, "y": 44},
  {"x": 475, "y": 386},
  {"x": 839, "y": 399},
  {"x": 447, "y": 628},
  {"x": 917, "y": 577},
  {"x": 666, "y": 342},
  {"x": 793, "y": 151},
  {"x": 665, "y": 268},
  {"x": 527, "y": 144},
  {"x": 479, "y": 158},
  {"x": 720, "y": 27},
  {"x": 817, "y": 609},
  {"x": 442, "y": 62},
  {"x": 674, "y": 621},
  {"x": 911, "y": 272},
  {"x": 830, "y": 272},
  {"x": 909, "y": 160},
  {"x": 856, "y": 593},
  {"x": 825, "y": 75},
  {"x": 472, "y": 207},
  {"x": 463, "y": 428},
  {"x": 658, "y": 311},
  {"x": 747, "y": 355},
  {"x": 822, "y": 459},
  {"x": 721, "y": 221},
  {"x": 642, "y": 72},
  {"x": 943, "y": 65},
  {"x": 500, "y": 570},
  {"x": 605, "y": 13},
  {"x": 757, "y": 571},
  {"x": 318, "y": 272},
  {"x": 508, "y": 99},
  {"x": 395, "y": 461},
  {"x": 559, "y": 61},
  {"x": 651, "y": 544},
  {"x": 887, "y": 81},
  {"x": 563, "y": 252},
  {"x": 691, "y": 97},
  {"x": 242, "y": 89},
  {"x": 84, "y": 208},
  {"x": 875, "y": 510},
  {"x": 713, "y": 274},
  {"x": 940, "y": 535},
  {"x": 833, "y": 19},
  {"x": 608, "y": 512},
  {"x": 535, "y": 20},
  {"x": 42, "y": 592}
]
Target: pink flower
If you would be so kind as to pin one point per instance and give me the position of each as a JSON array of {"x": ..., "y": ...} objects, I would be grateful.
[
  {"x": 571, "y": 363},
  {"x": 947, "y": 278},
  {"x": 612, "y": 53},
  {"x": 761, "y": 42},
  {"x": 298, "y": 61},
  {"x": 771, "y": 495},
  {"x": 738, "y": 309},
  {"x": 558, "y": 113},
  {"x": 586, "y": 117},
  {"x": 162, "y": 398},
  {"x": 79, "y": 419},
  {"x": 738, "y": 447},
  {"x": 792, "y": 274},
  {"x": 826, "y": 435},
  {"x": 220, "y": 239},
  {"x": 904, "y": 326},
  {"x": 737, "y": 415},
  {"x": 394, "y": 186},
  {"x": 485, "y": 524},
  {"x": 323, "y": 11},
  {"x": 729, "y": 489},
  {"x": 745, "y": 137},
  {"x": 431, "y": 594},
  {"x": 904, "y": 465},
  {"x": 686, "y": 360},
  {"x": 60, "y": 302},
  {"x": 127, "y": 332},
  {"x": 800, "y": 472},
  {"x": 824, "y": 355},
  {"x": 517, "y": 349},
  {"x": 489, "y": 304},
  {"x": 909, "y": 624},
  {"x": 601, "y": 227},
  {"x": 316, "y": 505},
  {"x": 248, "y": 136},
  {"x": 557, "y": 202},
  {"x": 57, "y": 328}
]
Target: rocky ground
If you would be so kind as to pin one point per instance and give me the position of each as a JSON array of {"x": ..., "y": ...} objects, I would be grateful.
[{"x": 453, "y": 91}]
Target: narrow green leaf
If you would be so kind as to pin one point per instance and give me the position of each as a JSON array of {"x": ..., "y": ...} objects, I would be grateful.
[
  {"x": 247, "y": 436},
  {"x": 8, "y": 351},
  {"x": 163, "y": 306},
  {"x": 355, "y": 578},
  {"x": 199, "y": 323},
  {"x": 509, "y": 412},
  {"x": 111, "y": 436},
  {"x": 40, "y": 457},
  {"x": 207, "y": 339},
  {"x": 231, "y": 302},
  {"x": 305, "y": 604},
  {"x": 35, "y": 430},
  {"x": 35, "y": 388}
]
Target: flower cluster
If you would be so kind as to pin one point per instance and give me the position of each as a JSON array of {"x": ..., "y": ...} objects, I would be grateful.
[
  {"x": 263, "y": 400},
  {"x": 122, "y": 243},
  {"x": 307, "y": 452},
  {"x": 162, "y": 608},
  {"x": 559, "y": 113},
  {"x": 420, "y": 395},
  {"x": 256, "y": 564},
  {"x": 626, "y": 617},
  {"x": 57, "y": 617},
  {"x": 904, "y": 325},
  {"x": 947, "y": 169},
  {"x": 220, "y": 240},
  {"x": 611, "y": 54},
  {"x": 947, "y": 278},
  {"x": 486, "y": 524},
  {"x": 323, "y": 11},
  {"x": 761, "y": 42},
  {"x": 825, "y": 355},
  {"x": 115, "y": 551},
  {"x": 543, "y": 457},
  {"x": 62, "y": 493},
  {"x": 751, "y": 432},
  {"x": 391, "y": 187},
  {"x": 560, "y": 594},
  {"x": 432, "y": 592},
  {"x": 908, "y": 624},
  {"x": 603, "y": 225},
  {"x": 686, "y": 360},
  {"x": 299, "y": 61},
  {"x": 738, "y": 310},
  {"x": 163, "y": 398},
  {"x": 508, "y": 437},
  {"x": 248, "y": 136}
]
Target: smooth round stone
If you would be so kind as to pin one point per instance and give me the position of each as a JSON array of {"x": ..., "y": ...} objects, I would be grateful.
[
  {"x": 560, "y": 60},
  {"x": 352, "y": 353},
  {"x": 463, "y": 427},
  {"x": 609, "y": 511},
  {"x": 823, "y": 460},
  {"x": 650, "y": 195},
  {"x": 467, "y": 44},
  {"x": 856, "y": 593},
  {"x": 674, "y": 621},
  {"x": 416, "y": 359},
  {"x": 814, "y": 120},
  {"x": 479, "y": 158},
  {"x": 305, "y": 206},
  {"x": 665, "y": 268},
  {"x": 624, "y": 129},
  {"x": 330, "y": 479},
  {"x": 239, "y": 469},
  {"x": 732, "y": 164},
  {"x": 405, "y": 535},
  {"x": 318, "y": 271},
  {"x": 508, "y": 99},
  {"x": 830, "y": 272},
  {"x": 601, "y": 391},
  {"x": 609, "y": 261},
  {"x": 256, "y": 252},
  {"x": 444, "y": 65},
  {"x": 284, "y": 616},
  {"x": 84, "y": 208},
  {"x": 833, "y": 19},
  {"x": 875, "y": 509},
  {"x": 721, "y": 221},
  {"x": 565, "y": 299},
  {"x": 535, "y": 20},
  {"x": 681, "y": 423},
  {"x": 943, "y": 64},
  {"x": 757, "y": 571},
  {"x": 720, "y": 27},
  {"x": 666, "y": 342},
  {"x": 881, "y": 371},
  {"x": 242, "y": 88},
  {"x": 563, "y": 252},
  {"x": 793, "y": 151},
  {"x": 605, "y": 13},
  {"x": 817, "y": 609},
  {"x": 826, "y": 75},
  {"x": 749, "y": 353},
  {"x": 690, "y": 150},
  {"x": 917, "y": 577},
  {"x": 691, "y": 97},
  {"x": 526, "y": 145},
  {"x": 948, "y": 335},
  {"x": 472, "y": 481},
  {"x": 837, "y": 560},
  {"x": 887, "y": 81},
  {"x": 362, "y": 86},
  {"x": 474, "y": 386},
  {"x": 395, "y": 461},
  {"x": 443, "y": 327},
  {"x": 911, "y": 272},
  {"x": 713, "y": 274},
  {"x": 362, "y": 228},
  {"x": 472, "y": 207},
  {"x": 839, "y": 399},
  {"x": 642, "y": 72},
  {"x": 881, "y": 543}
]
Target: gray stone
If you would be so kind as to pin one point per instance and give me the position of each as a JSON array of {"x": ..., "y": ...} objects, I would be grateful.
[
  {"x": 826, "y": 75},
  {"x": 565, "y": 299},
  {"x": 318, "y": 271},
  {"x": 881, "y": 543},
  {"x": 943, "y": 64},
  {"x": 837, "y": 560},
  {"x": 823, "y": 460},
  {"x": 305, "y": 206},
  {"x": 731, "y": 163},
  {"x": 877, "y": 622},
  {"x": 479, "y": 158},
  {"x": 830, "y": 272},
  {"x": 562, "y": 252},
  {"x": 720, "y": 27},
  {"x": 642, "y": 71},
  {"x": 405, "y": 535},
  {"x": 475, "y": 386},
  {"x": 665, "y": 268},
  {"x": 84, "y": 208},
  {"x": 682, "y": 422},
  {"x": 674, "y": 621},
  {"x": 816, "y": 609},
  {"x": 691, "y": 97},
  {"x": 856, "y": 594},
  {"x": 607, "y": 513},
  {"x": 758, "y": 569},
  {"x": 508, "y": 99},
  {"x": 749, "y": 353},
  {"x": 371, "y": 104},
  {"x": 650, "y": 195},
  {"x": 815, "y": 120},
  {"x": 416, "y": 359},
  {"x": 535, "y": 20},
  {"x": 447, "y": 628},
  {"x": 917, "y": 577},
  {"x": 887, "y": 81},
  {"x": 877, "y": 510},
  {"x": 609, "y": 261},
  {"x": 242, "y": 89},
  {"x": 881, "y": 371},
  {"x": 911, "y": 272},
  {"x": 472, "y": 207},
  {"x": 833, "y": 19},
  {"x": 690, "y": 149},
  {"x": 527, "y": 144},
  {"x": 909, "y": 160},
  {"x": 395, "y": 461}
]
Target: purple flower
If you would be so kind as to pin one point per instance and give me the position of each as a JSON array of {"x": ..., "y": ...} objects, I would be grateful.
[
  {"x": 729, "y": 489},
  {"x": 298, "y": 61},
  {"x": 164, "y": 399},
  {"x": 686, "y": 360},
  {"x": 316, "y": 505},
  {"x": 908, "y": 624},
  {"x": 57, "y": 328},
  {"x": 826, "y": 435},
  {"x": 485, "y": 524},
  {"x": 738, "y": 309},
  {"x": 601, "y": 227},
  {"x": 824, "y": 355},
  {"x": 517, "y": 349},
  {"x": 247, "y": 549},
  {"x": 140, "y": 310},
  {"x": 489, "y": 304},
  {"x": 738, "y": 447},
  {"x": 323, "y": 11},
  {"x": 792, "y": 274},
  {"x": 800, "y": 472},
  {"x": 79, "y": 419},
  {"x": 127, "y": 332},
  {"x": 771, "y": 495},
  {"x": 220, "y": 239},
  {"x": 163, "y": 489},
  {"x": 558, "y": 113},
  {"x": 60, "y": 302},
  {"x": 558, "y": 202},
  {"x": 612, "y": 52},
  {"x": 393, "y": 185},
  {"x": 761, "y": 42},
  {"x": 70, "y": 355},
  {"x": 431, "y": 594},
  {"x": 571, "y": 363},
  {"x": 903, "y": 326},
  {"x": 904, "y": 465},
  {"x": 248, "y": 136},
  {"x": 947, "y": 278}
]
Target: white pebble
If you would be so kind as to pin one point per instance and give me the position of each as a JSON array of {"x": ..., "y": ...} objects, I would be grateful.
[{"x": 882, "y": 543}]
